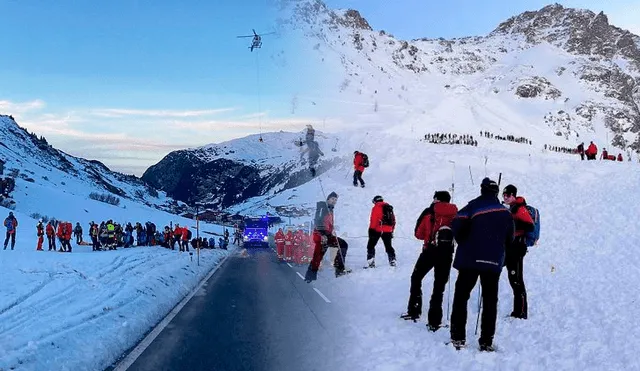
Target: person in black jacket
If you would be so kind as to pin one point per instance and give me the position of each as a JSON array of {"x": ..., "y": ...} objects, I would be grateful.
[{"x": 483, "y": 229}]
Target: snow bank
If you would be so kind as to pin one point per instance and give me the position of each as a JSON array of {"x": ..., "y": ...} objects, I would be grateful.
[{"x": 82, "y": 310}]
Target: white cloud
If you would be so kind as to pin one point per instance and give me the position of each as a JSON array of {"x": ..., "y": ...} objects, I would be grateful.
[
  {"x": 121, "y": 112},
  {"x": 13, "y": 108}
]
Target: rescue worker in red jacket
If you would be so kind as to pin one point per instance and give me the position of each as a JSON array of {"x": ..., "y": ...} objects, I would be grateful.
[
  {"x": 68, "y": 232},
  {"x": 592, "y": 151},
  {"x": 324, "y": 237},
  {"x": 288, "y": 246},
  {"x": 620, "y": 157},
  {"x": 297, "y": 246},
  {"x": 40, "y": 229},
  {"x": 279, "y": 239},
  {"x": 434, "y": 228},
  {"x": 358, "y": 169},
  {"x": 514, "y": 257},
  {"x": 377, "y": 231},
  {"x": 605, "y": 154},
  {"x": 51, "y": 236}
]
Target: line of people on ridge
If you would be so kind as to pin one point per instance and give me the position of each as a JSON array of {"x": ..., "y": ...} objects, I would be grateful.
[
  {"x": 509, "y": 138},
  {"x": 489, "y": 237},
  {"x": 441, "y": 138}
]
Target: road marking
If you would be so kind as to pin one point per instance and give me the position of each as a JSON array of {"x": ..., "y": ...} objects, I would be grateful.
[
  {"x": 291, "y": 266},
  {"x": 144, "y": 344},
  {"x": 322, "y": 295},
  {"x": 301, "y": 276}
]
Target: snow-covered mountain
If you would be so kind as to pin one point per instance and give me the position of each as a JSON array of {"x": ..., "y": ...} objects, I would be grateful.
[
  {"x": 225, "y": 174},
  {"x": 37, "y": 169},
  {"x": 556, "y": 75}
]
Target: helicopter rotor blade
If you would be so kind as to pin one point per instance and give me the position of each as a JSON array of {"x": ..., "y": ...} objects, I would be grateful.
[{"x": 254, "y": 32}]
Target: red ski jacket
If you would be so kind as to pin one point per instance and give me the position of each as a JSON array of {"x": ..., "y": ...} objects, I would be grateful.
[
  {"x": 357, "y": 162},
  {"x": 521, "y": 217},
  {"x": 439, "y": 214},
  {"x": 375, "y": 221}
]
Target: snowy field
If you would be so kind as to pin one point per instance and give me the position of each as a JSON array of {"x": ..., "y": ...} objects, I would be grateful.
[
  {"x": 579, "y": 278},
  {"x": 82, "y": 310}
]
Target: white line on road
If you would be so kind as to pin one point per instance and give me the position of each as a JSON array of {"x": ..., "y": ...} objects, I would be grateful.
[
  {"x": 322, "y": 295},
  {"x": 290, "y": 266},
  {"x": 301, "y": 276},
  {"x": 144, "y": 344}
]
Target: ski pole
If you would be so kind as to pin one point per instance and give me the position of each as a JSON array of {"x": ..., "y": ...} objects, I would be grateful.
[{"x": 470, "y": 176}]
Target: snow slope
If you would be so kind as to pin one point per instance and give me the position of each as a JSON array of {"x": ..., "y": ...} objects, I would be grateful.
[
  {"x": 581, "y": 305},
  {"x": 380, "y": 81},
  {"x": 82, "y": 310}
]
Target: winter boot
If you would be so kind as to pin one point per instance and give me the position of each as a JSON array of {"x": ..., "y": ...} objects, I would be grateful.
[
  {"x": 311, "y": 275},
  {"x": 372, "y": 263},
  {"x": 458, "y": 344},
  {"x": 342, "y": 271},
  {"x": 432, "y": 328},
  {"x": 392, "y": 262}
]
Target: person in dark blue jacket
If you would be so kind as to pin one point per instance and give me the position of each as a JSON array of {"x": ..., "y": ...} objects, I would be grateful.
[{"x": 484, "y": 229}]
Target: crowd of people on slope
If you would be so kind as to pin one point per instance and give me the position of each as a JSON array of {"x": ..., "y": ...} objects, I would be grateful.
[
  {"x": 509, "y": 138},
  {"x": 441, "y": 138},
  {"x": 489, "y": 237},
  {"x": 294, "y": 246},
  {"x": 109, "y": 235}
]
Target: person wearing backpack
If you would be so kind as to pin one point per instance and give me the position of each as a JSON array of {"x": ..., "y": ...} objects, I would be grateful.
[
  {"x": 381, "y": 226},
  {"x": 324, "y": 236},
  {"x": 515, "y": 253},
  {"x": 360, "y": 162},
  {"x": 11, "y": 223},
  {"x": 434, "y": 228}
]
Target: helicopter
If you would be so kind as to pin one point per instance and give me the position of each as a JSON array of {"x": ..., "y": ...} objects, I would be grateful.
[{"x": 257, "y": 39}]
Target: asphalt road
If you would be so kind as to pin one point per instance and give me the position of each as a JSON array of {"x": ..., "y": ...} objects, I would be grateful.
[{"x": 254, "y": 313}]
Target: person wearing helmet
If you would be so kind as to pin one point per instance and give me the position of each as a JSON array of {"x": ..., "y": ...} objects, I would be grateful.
[{"x": 381, "y": 226}]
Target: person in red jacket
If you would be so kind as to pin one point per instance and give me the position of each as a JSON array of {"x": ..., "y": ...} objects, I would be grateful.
[
  {"x": 324, "y": 237},
  {"x": 592, "y": 151},
  {"x": 288, "y": 246},
  {"x": 40, "y": 229},
  {"x": 514, "y": 257},
  {"x": 358, "y": 167},
  {"x": 51, "y": 236},
  {"x": 68, "y": 232},
  {"x": 605, "y": 154},
  {"x": 279, "y": 239},
  {"x": 378, "y": 230},
  {"x": 434, "y": 228},
  {"x": 620, "y": 157}
]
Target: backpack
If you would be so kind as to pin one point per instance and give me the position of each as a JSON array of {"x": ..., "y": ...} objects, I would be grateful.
[
  {"x": 321, "y": 211},
  {"x": 189, "y": 234},
  {"x": 388, "y": 217},
  {"x": 365, "y": 160},
  {"x": 531, "y": 238}
]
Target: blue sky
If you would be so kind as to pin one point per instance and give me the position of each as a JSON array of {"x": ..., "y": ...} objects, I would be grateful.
[
  {"x": 125, "y": 82},
  {"x": 412, "y": 19}
]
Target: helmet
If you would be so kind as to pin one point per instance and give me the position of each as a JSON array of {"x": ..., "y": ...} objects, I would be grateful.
[{"x": 377, "y": 199}]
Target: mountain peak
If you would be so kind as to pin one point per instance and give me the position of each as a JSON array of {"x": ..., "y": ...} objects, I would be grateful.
[{"x": 578, "y": 31}]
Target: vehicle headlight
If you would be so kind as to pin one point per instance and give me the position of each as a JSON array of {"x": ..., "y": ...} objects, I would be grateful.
[
  {"x": 265, "y": 239},
  {"x": 246, "y": 238}
]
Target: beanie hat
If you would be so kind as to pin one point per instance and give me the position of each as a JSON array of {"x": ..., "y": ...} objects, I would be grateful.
[
  {"x": 332, "y": 195},
  {"x": 442, "y": 196},
  {"x": 377, "y": 199},
  {"x": 489, "y": 186},
  {"x": 510, "y": 190}
]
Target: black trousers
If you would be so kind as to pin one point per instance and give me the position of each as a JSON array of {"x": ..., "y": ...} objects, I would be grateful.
[
  {"x": 357, "y": 177},
  {"x": 11, "y": 236},
  {"x": 374, "y": 237},
  {"x": 465, "y": 283},
  {"x": 515, "y": 262},
  {"x": 439, "y": 259},
  {"x": 52, "y": 242}
]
